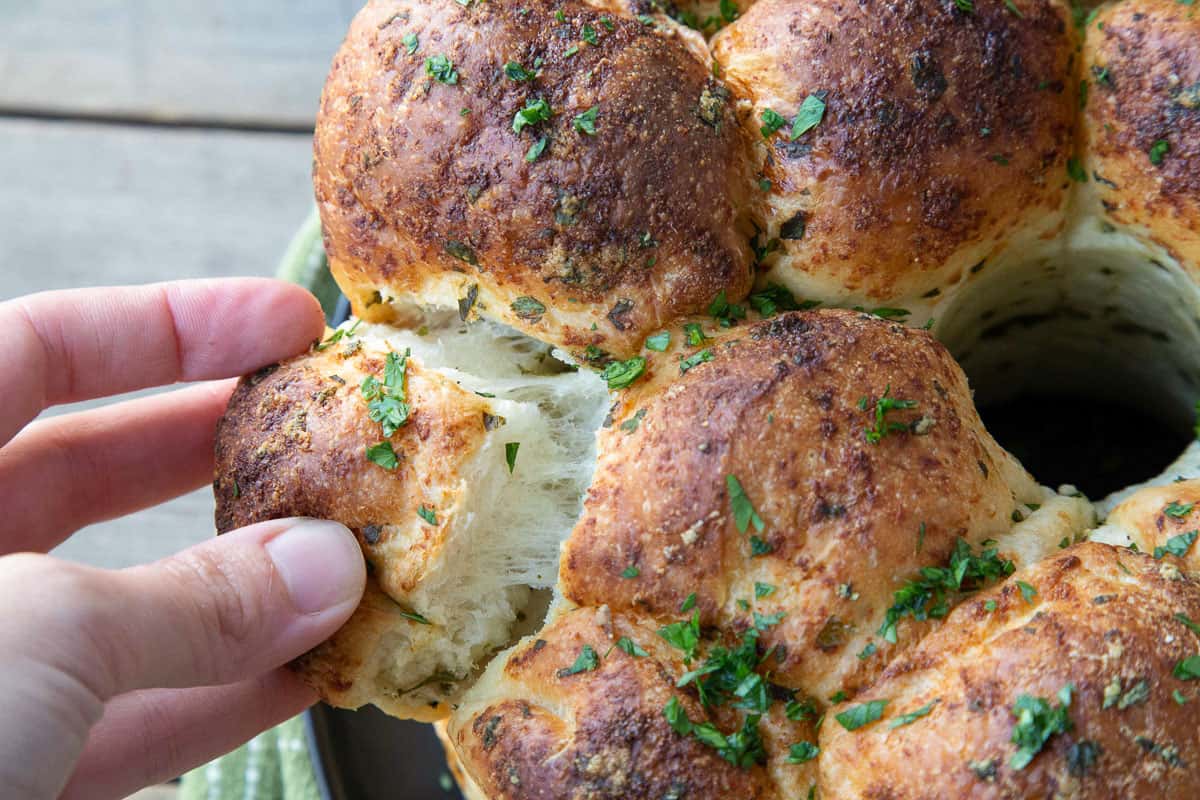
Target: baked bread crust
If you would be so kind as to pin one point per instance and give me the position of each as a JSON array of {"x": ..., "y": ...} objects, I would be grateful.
[
  {"x": 1103, "y": 621},
  {"x": 426, "y": 192},
  {"x": 943, "y": 133}
]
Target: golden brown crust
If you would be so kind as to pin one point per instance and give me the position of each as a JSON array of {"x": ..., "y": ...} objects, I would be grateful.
[
  {"x": 778, "y": 407},
  {"x": 1142, "y": 62},
  {"x": 1154, "y": 516},
  {"x": 425, "y": 190},
  {"x": 943, "y": 133},
  {"x": 293, "y": 443},
  {"x": 1104, "y": 621},
  {"x": 530, "y": 730}
]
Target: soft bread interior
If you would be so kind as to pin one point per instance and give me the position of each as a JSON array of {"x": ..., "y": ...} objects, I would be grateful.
[{"x": 503, "y": 544}]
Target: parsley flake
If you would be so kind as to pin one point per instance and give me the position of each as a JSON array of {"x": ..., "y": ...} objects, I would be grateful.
[
  {"x": 535, "y": 111},
  {"x": 929, "y": 595},
  {"x": 441, "y": 69},
  {"x": 427, "y": 514},
  {"x": 912, "y": 716},
  {"x": 383, "y": 455},
  {"x": 535, "y": 150},
  {"x": 811, "y": 112},
  {"x": 411, "y": 43},
  {"x": 586, "y": 122},
  {"x": 802, "y": 752},
  {"x": 585, "y": 662},
  {"x": 743, "y": 510},
  {"x": 630, "y": 647},
  {"x": 510, "y": 455},
  {"x": 683, "y": 635},
  {"x": 658, "y": 342},
  {"x": 631, "y": 571},
  {"x": 1178, "y": 510},
  {"x": 1028, "y": 592},
  {"x": 386, "y": 401},
  {"x": 1036, "y": 722},
  {"x": 515, "y": 72},
  {"x": 1176, "y": 545},
  {"x": 762, "y": 590},
  {"x": 688, "y": 603},
  {"x": 856, "y": 717},
  {"x": 772, "y": 122},
  {"x": 620, "y": 374},
  {"x": 1158, "y": 151},
  {"x": 1188, "y": 669},
  {"x": 886, "y": 403},
  {"x": 695, "y": 360}
]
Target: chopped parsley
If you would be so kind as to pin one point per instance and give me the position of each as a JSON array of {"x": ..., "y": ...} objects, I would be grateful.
[
  {"x": 683, "y": 635},
  {"x": 775, "y": 298},
  {"x": 759, "y": 547},
  {"x": 586, "y": 122},
  {"x": 515, "y": 72},
  {"x": 383, "y": 455},
  {"x": 386, "y": 402},
  {"x": 620, "y": 374},
  {"x": 630, "y": 647},
  {"x": 912, "y": 716},
  {"x": 883, "y": 405},
  {"x": 867, "y": 651},
  {"x": 441, "y": 69},
  {"x": 585, "y": 662},
  {"x": 337, "y": 336},
  {"x": 411, "y": 43},
  {"x": 762, "y": 590},
  {"x": 811, "y": 112},
  {"x": 631, "y": 571},
  {"x": 688, "y": 603},
  {"x": 1176, "y": 545},
  {"x": 743, "y": 748},
  {"x": 772, "y": 122},
  {"x": 856, "y": 717},
  {"x": 802, "y": 752},
  {"x": 658, "y": 342},
  {"x": 589, "y": 35},
  {"x": 427, "y": 514},
  {"x": 965, "y": 6},
  {"x": 1158, "y": 151},
  {"x": 1178, "y": 510},
  {"x": 929, "y": 595},
  {"x": 725, "y": 311},
  {"x": 510, "y": 455},
  {"x": 743, "y": 510},
  {"x": 415, "y": 617},
  {"x": 535, "y": 150},
  {"x": 695, "y": 360},
  {"x": 1011, "y": 6},
  {"x": 1076, "y": 171},
  {"x": 1036, "y": 722},
  {"x": 1028, "y": 592},
  {"x": 631, "y": 425},
  {"x": 528, "y": 308},
  {"x": 1188, "y": 669},
  {"x": 535, "y": 111},
  {"x": 695, "y": 334}
]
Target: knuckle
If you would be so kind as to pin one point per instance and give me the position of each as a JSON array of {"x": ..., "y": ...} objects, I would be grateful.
[{"x": 225, "y": 594}]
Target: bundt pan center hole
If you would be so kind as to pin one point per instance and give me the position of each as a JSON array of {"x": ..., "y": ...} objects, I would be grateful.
[{"x": 1085, "y": 364}]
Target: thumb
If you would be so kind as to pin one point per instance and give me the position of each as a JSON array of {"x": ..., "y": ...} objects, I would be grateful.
[{"x": 228, "y": 609}]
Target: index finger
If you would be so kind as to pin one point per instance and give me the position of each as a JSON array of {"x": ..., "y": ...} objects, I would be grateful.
[{"x": 83, "y": 343}]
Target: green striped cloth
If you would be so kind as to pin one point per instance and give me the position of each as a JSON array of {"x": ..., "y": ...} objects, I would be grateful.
[{"x": 275, "y": 765}]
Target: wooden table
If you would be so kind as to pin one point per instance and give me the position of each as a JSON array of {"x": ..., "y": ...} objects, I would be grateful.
[{"x": 143, "y": 140}]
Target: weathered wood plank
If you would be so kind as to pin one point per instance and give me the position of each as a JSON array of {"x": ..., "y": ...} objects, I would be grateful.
[
  {"x": 86, "y": 205},
  {"x": 226, "y": 60}
]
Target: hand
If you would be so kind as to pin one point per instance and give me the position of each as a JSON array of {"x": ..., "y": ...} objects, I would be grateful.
[{"x": 97, "y": 666}]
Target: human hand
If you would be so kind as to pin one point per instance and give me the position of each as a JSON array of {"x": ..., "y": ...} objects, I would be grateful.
[{"x": 100, "y": 668}]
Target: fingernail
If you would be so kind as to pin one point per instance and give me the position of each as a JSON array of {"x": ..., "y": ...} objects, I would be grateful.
[{"x": 320, "y": 564}]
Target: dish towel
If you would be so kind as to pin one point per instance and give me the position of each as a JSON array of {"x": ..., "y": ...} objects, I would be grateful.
[{"x": 275, "y": 765}]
